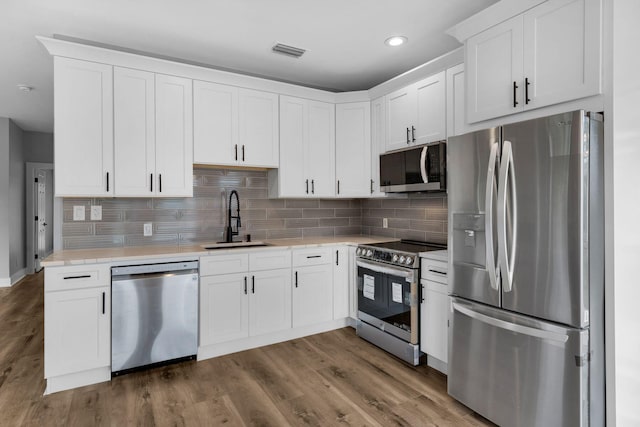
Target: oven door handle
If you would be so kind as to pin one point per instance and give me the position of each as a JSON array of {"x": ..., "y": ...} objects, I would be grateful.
[{"x": 378, "y": 268}]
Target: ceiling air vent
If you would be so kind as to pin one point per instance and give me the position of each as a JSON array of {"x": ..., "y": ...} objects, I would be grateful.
[{"x": 294, "y": 52}]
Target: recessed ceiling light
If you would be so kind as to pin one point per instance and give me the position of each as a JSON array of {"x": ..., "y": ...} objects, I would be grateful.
[
  {"x": 25, "y": 88},
  {"x": 395, "y": 41}
]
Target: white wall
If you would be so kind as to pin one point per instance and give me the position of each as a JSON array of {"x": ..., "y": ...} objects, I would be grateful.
[
  {"x": 4, "y": 205},
  {"x": 38, "y": 147},
  {"x": 623, "y": 213},
  {"x": 17, "y": 205}
]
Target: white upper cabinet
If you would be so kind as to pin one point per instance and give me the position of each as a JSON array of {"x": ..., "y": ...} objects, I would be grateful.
[
  {"x": 174, "y": 136},
  {"x": 83, "y": 128},
  {"x": 235, "y": 127},
  {"x": 378, "y": 138},
  {"x": 416, "y": 114},
  {"x": 456, "y": 111},
  {"x": 307, "y": 149},
  {"x": 215, "y": 124},
  {"x": 547, "y": 55},
  {"x": 353, "y": 149},
  {"x": 134, "y": 132}
]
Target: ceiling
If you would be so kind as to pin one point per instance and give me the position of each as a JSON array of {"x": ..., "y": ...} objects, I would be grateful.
[{"x": 344, "y": 40}]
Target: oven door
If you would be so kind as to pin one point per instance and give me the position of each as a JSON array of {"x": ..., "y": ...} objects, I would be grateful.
[{"x": 388, "y": 299}]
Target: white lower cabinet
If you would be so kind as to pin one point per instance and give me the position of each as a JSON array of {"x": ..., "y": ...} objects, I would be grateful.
[
  {"x": 224, "y": 314},
  {"x": 341, "y": 282},
  {"x": 77, "y": 333},
  {"x": 312, "y": 295},
  {"x": 270, "y": 301},
  {"x": 353, "y": 283},
  {"x": 434, "y": 312}
]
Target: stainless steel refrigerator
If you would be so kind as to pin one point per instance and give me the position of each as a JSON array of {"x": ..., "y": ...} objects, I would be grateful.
[{"x": 526, "y": 225}]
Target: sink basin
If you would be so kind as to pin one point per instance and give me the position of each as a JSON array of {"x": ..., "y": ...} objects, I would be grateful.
[{"x": 225, "y": 245}]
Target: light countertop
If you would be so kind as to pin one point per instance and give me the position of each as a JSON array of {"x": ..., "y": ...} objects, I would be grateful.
[{"x": 141, "y": 253}]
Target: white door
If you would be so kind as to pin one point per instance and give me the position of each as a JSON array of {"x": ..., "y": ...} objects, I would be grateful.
[
  {"x": 293, "y": 178},
  {"x": 77, "y": 333},
  {"x": 312, "y": 295},
  {"x": 431, "y": 123},
  {"x": 134, "y": 132},
  {"x": 341, "y": 282},
  {"x": 378, "y": 132},
  {"x": 320, "y": 149},
  {"x": 353, "y": 149},
  {"x": 494, "y": 65},
  {"x": 353, "y": 283},
  {"x": 401, "y": 110},
  {"x": 456, "y": 121},
  {"x": 174, "y": 136},
  {"x": 83, "y": 128},
  {"x": 434, "y": 322},
  {"x": 215, "y": 124},
  {"x": 259, "y": 132},
  {"x": 41, "y": 218},
  {"x": 224, "y": 308},
  {"x": 269, "y": 301},
  {"x": 562, "y": 51}
]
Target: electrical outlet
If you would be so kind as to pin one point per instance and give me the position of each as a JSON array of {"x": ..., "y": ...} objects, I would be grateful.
[
  {"x": 96, "y": 213},
  {"x": 78, "y": 213},
  {"x": 148, "y": 229},
  {"x": 385, "y": 222}
]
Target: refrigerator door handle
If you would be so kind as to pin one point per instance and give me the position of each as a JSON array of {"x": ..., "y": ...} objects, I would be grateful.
[
  {"x": 423, "y": 165},
  {"x": 506, "y": 260},
  {"x": 513, "y": 327},
  {"x": 492, "y": 268}
]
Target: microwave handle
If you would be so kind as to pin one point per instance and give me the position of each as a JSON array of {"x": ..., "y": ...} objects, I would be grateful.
[{"x": 423, "y": 165}]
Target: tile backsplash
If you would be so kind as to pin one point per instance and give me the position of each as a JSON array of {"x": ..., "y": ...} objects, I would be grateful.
[{"x": 201, "y": 219}]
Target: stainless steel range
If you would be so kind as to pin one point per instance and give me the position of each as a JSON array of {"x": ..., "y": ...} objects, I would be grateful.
[{"x": 389, "y": 296}]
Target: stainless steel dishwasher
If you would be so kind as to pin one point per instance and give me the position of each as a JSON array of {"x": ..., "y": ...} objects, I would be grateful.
[{"x": 154, "y": 314}]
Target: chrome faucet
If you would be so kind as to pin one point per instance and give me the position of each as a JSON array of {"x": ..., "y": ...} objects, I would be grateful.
[{"x": 230, "y": 233}]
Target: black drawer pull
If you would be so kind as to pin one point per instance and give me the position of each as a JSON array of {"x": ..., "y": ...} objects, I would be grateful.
[
  {"x": 438, "y": 272},
  {"x": 314, "y": 256},
  {"x": 253, "y": 284},
  {"x": 84, "y": 276},
  {"x": 103, "y": 298},
  {"x": 337, "y": 258}
]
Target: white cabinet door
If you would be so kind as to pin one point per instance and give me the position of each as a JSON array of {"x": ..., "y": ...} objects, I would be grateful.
[
  {"x": 320, "y": 149},
  {"x": 270, "y": 301},
  {"x": 353, "y": 283},
  {"x": 292, "y": 176},
  {"x": 400, "y": 116},
  {"x": 494, "y": 62},
  {"x": 312, "y": 295},
  {"x": 134, "y": 132},
  {"x": 430, "y": 124},
  {"x": 83, "y": 128},
  {"x": 215, "y": 124},
  {"x": 341, "y": 282},
  {"x": 259, "y": 132},
  {"x": 378, "y": 137},
  {"x": 174, "y": 136},
  {"x": 434, "y": 317},
  {"x": 456, "y": 121},
  {"x": 77, "y": 331},
  {"x": 224, "y": 308},
  {"x": 562, "y": 51},
  {"x": 353, "y": 149}
]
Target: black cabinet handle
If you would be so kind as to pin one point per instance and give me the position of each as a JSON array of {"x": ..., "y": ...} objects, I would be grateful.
[
  {"x": 236, "y": 150},
  {"x": 408, "y": 135},
  {"x": 421, "y": 293},
  {"x": 245, "y": 285},
  {"x": 313, "y": 187},
  {"x": 160, "y": 183},
  {"x": 84, "y": 276},
  {"x": 314, "y": 256},
  {"x": 337, "y": 259},
  {"x": 243, "y": 152},
  {"x": 107, "y": 182},
  {"x": 515, "y": 90},
  {"x": 151, "y": 186},
  {"x": 371, "y": 186},
  {"x": 413, "y": 133},
  {"x": 526, "y": 90},
  {"x": 338, "y": 186},
  {"x": 103, "y": 298},
  {"x": 307, "y": 183},
  {"x": 296, "y": 281},
  {"x": 253, "y": 284}
]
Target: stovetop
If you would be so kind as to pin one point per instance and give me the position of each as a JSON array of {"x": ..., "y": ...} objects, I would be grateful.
[{"x": 403, "y": 253}]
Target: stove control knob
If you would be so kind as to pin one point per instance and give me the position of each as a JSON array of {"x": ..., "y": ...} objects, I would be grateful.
[
  {"x": 358, "y": 251},
  {"x": 369, "y": 252},
  {"x": 409, "y": 260},
  {"x": 395, "y": 258}
]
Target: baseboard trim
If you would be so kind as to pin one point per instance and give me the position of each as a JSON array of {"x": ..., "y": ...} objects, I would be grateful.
[
  {"x": 5, "y": 282},
  {"x": 18, "y": 275},
  {"x": 77, "y": 379}
]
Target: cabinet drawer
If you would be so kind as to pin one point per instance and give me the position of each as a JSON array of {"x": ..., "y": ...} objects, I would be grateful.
[
  {"x": 430, "y": 285},
  {"x": 431, "y": 269},
  {"x": 224, "y": 264},
  {"x": 269, "y": 260},
  {"x": 315, "y": 256},
  {"x": 76, "y": 277}
]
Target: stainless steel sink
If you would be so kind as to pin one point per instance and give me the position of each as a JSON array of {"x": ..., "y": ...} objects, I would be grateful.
[{"x": 225, "y": 245}]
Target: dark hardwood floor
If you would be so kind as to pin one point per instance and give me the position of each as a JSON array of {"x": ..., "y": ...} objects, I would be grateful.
[{"x": 328, "y": 379}]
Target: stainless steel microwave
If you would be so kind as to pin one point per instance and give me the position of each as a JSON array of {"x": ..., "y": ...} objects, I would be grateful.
[{"x": 421, "y": 168}]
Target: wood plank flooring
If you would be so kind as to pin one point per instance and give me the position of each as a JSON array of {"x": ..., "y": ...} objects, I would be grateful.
[{"x": 327, "y": 379}]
